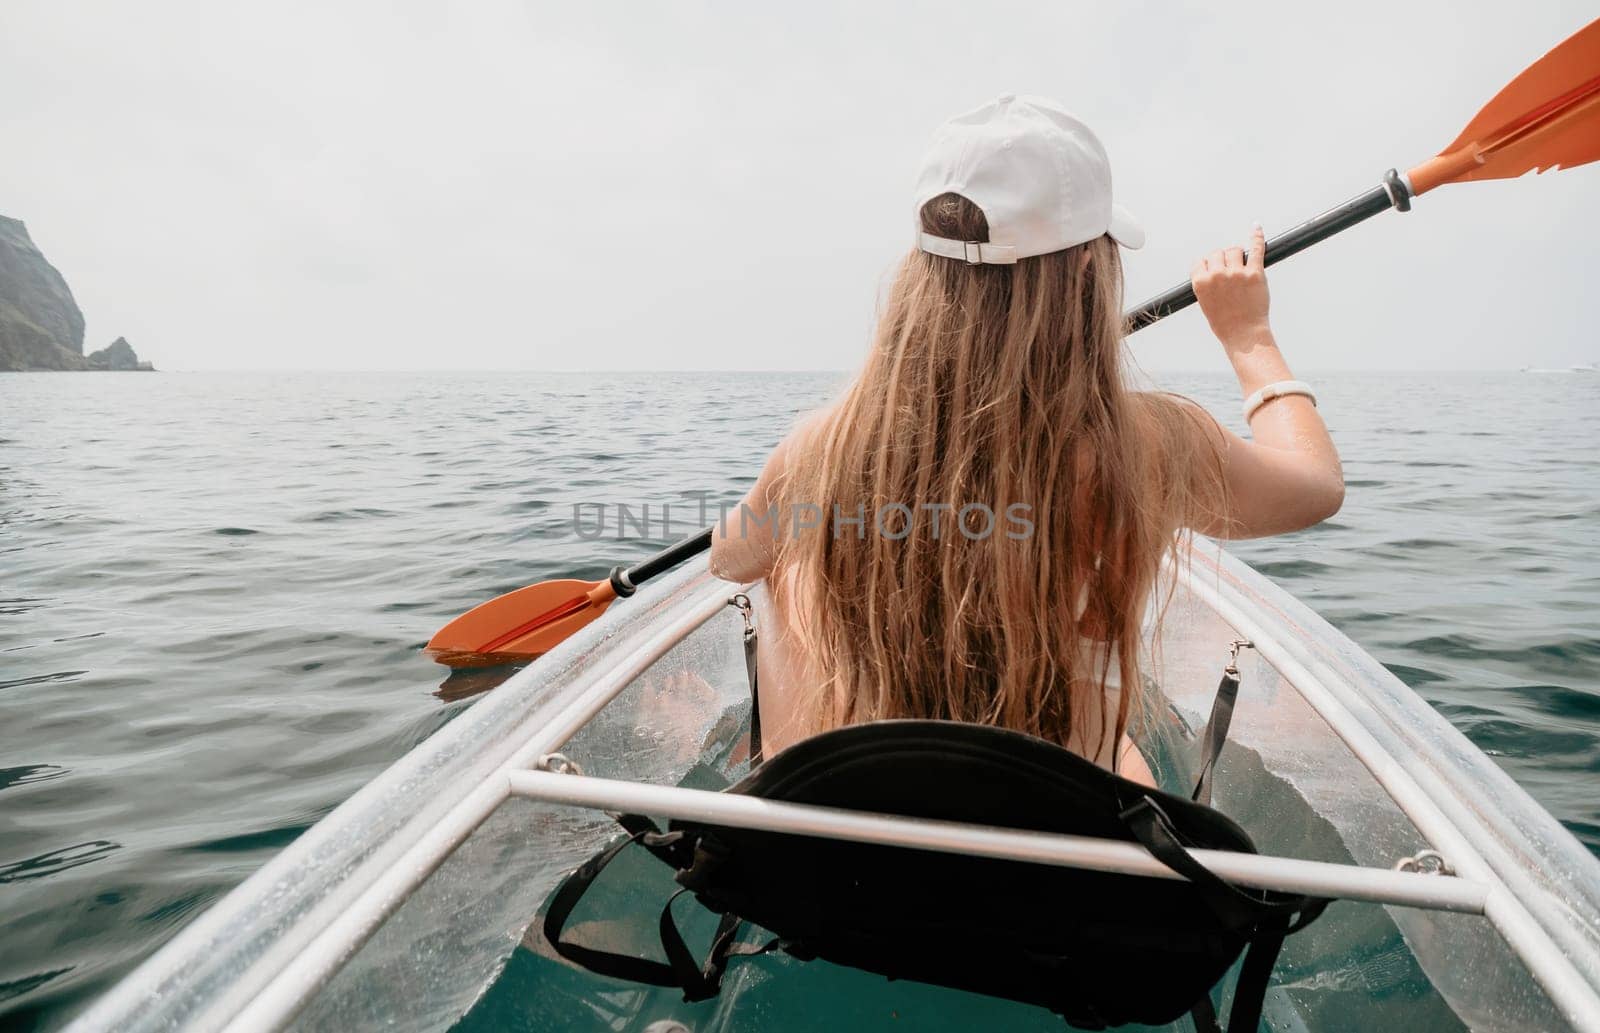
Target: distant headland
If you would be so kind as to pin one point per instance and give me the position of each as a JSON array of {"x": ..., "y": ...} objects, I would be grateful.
[{"x": 41, "y": 326}]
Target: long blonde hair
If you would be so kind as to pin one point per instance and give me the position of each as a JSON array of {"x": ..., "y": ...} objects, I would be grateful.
[{"x": 988, "y": 388}]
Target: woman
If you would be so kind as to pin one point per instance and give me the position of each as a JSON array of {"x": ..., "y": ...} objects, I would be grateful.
[{"x": 973, "y": 531}]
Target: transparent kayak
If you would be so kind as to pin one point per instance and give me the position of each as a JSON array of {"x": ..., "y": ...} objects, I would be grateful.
[{"x": 414, "y": 905}]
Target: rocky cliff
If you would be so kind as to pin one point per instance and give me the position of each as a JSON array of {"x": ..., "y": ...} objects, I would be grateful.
[
  {"x": 118, "y": 354},
  {"x": 40, "y": 325}
]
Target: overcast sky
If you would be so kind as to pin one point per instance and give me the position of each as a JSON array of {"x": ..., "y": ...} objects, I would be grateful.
[{"x": 488, "y": 185}]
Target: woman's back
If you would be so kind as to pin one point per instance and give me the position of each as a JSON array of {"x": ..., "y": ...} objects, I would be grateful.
[{"x": 973, "y": 531}]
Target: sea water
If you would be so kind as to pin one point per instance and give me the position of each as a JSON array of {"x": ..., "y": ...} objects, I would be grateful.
[{"x": 214, "y": 590}]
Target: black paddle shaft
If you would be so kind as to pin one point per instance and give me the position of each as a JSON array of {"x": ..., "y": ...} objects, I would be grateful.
[
  {"x": 1391, "y": 193},
  {"x": 667, "y": 558}
]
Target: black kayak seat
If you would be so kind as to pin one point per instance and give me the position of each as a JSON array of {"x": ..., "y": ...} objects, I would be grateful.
[{"x": 1101, "y": 949}]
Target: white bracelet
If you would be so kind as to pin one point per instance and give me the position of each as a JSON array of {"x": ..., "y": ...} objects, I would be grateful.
[{"x": 1278, "y": 389}]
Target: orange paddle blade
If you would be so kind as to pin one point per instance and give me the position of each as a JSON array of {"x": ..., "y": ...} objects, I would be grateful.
[
  {"x": 1547, "y": 117},
  {"x": 521, "y": 624}
]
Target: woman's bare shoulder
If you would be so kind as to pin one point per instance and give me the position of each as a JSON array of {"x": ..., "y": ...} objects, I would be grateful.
[
  {"x": 803, "y": 439},
  {"x": 1187, "y": 449},
  {"x": 1178, "y": 428},
  {"x": 1159, "y": 411},
  {"x": 810, "y": 426}
]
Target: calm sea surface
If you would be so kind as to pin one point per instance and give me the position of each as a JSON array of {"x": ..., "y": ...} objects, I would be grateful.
[{"x": 214, "y": 590}]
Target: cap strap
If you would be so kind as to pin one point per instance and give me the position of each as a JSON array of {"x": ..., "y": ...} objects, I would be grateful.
[{"x": 972, "y": 252}]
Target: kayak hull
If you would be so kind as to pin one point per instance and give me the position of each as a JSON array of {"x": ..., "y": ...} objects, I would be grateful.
[{"x": 415, "y": 898}]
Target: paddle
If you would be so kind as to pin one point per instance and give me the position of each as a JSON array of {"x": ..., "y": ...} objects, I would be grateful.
[
  {"x": 530, "y": 621},
  {"x": 1547, "y": 117}
]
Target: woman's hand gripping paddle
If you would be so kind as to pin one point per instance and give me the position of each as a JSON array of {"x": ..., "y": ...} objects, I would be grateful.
[{"x": 1547, "y": 117}]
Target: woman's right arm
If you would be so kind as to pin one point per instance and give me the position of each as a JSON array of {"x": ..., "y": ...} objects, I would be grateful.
[{"x": 1288, "y": 477}]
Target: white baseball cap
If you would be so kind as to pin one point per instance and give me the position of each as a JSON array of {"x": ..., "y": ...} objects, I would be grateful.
[{"x": 1039, "y": 175}]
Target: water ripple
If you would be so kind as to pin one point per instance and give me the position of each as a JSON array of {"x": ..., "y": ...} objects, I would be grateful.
[{"x": 52, "y": 862}]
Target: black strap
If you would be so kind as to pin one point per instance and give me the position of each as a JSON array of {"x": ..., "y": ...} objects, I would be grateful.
[
  {"x": 1310, "y": 912},
  {"x": 667, "y": 846},
  {"x": 636, "y": 825},
  {"x": 698, "y": 981},
  {"x": 1216, "y": 733},
  {"x": 1234, "y": 908},
  {"x": 755, "y": 695},
  {"x": 1204, "y": 1014},
  {"x": 1250, "y": 992},
  {"x": 619, "y": 966}
]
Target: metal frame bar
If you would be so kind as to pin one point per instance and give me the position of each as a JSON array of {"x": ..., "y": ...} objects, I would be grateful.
[{"x": 1289, "y": 875}]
